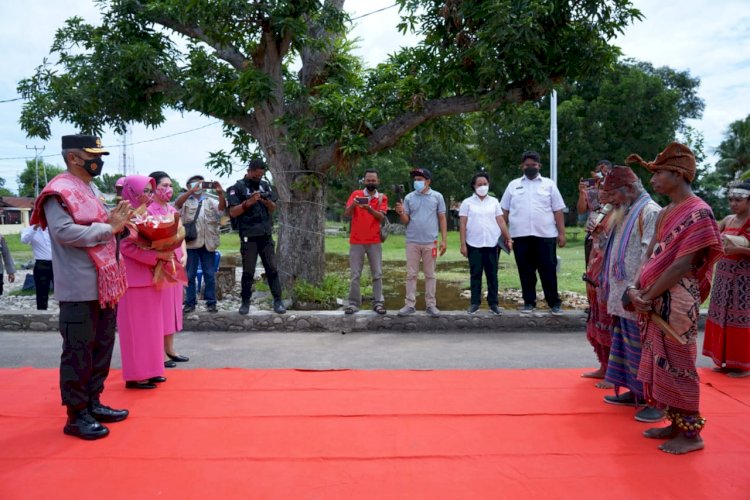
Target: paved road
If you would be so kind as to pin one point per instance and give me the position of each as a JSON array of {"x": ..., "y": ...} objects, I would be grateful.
[{"x": 438, "y": 350}]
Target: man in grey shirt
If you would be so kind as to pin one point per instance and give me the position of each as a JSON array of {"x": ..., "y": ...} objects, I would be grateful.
[
  {"x": 423, "y": 213},
  {"x": 89, "y": 280}
]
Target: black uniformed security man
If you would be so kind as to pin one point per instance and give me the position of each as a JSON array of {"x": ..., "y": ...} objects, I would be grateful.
[{"x": 252, "y": 201}]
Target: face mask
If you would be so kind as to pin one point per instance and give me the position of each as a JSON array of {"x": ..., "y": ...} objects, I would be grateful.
[
  {"x": 482, "y": 190},
  {"x": 197, "y": 192},
  {"x": 599, "y": 175},
  {"x": 146, "y": 198},
  {"x": 87, "y": 164},
  {"x": 418, "y": 185},
  {"x": 371, "y": 187},
  {"x": 163, "y": 193},
  {"x": 530, "y": 172}
]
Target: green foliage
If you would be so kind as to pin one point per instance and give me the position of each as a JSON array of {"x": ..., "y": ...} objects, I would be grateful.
[
  {"x": 3, "y": 190},
  {"x": 334, "y": 286},
  {"x": 27, "y": 178},
  {"x": 734, "y": 151},
  {"x": 628, "y": 108}
]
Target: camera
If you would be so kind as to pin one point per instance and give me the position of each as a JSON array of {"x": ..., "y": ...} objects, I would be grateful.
[{"x": 265, "y": 195}]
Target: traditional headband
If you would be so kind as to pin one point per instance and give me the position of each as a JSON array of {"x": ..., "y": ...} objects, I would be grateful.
[{"x": 740, "y": 193}]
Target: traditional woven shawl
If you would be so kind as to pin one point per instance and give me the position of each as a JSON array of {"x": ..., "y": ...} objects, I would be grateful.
[
  {"x": 633, "y": 217},
  {"x": 79, "y": 201},
  {"x": 682, "y": 230}
]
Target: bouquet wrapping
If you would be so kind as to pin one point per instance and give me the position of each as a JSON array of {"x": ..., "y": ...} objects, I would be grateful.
[{"x": 161, "y": 233}]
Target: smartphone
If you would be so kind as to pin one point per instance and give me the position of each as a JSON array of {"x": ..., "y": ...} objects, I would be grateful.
[
  {"x": 361, "y": 199},
  {"x": 207, "y": 185},
  {"x": 591, "y": 182}
]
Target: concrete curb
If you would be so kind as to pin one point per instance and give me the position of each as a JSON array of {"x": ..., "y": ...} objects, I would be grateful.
[{"x": 336, "y": 321}]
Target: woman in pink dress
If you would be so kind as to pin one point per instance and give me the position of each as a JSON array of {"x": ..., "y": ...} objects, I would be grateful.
[
  {"x": 139, "y": 314},
  {"x": 172, "y": 294}
]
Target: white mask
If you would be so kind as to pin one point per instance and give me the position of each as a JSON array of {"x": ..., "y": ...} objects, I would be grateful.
[{"x": 482, "y": 190}]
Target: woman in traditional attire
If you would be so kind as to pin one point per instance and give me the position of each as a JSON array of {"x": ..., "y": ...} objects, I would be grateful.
[
  {"x": 140, "y": 316},
  {"x": 727, "y": 340},
  {"x": 673, "y": 284},
  {"x": 172, "y": 293}
]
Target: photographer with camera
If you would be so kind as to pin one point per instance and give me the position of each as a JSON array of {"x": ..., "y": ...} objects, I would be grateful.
[
  {"x": 367, "y": 209},
  {"x": 251, "y": 202},
  {"x": 201, "y": 217}
]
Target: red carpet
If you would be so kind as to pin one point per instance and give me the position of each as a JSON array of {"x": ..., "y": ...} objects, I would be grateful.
[{"x": 365, "y": 434}]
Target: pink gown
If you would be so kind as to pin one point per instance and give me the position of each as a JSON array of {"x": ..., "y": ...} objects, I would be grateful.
[
  {"x": 171, "y": 295},
  {"x": 140, "y": 316}
]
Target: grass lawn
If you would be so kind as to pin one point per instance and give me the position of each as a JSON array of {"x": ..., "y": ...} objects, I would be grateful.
[
  {"x": 569, "y": 278},
  {"x": 393, "y": 251}
]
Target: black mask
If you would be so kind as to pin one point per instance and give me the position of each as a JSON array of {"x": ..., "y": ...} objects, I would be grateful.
[
  {"x": 371, "y": 187},
  {"x": 530, "y": 172},
  {"x": 87, "y": 164}
]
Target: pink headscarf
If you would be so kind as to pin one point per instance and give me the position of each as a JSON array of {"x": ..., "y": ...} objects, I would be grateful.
[{"x": 133, "y": 187}]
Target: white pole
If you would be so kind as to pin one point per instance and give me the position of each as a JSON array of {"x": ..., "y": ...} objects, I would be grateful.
[{"x": 553, "y": 137}]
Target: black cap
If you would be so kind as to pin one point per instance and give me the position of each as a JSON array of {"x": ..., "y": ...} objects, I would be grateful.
[
  {"x": 422, "y": 172},
  {"x": 88, "y": 143},
  {"x": 257, "y": 164}
]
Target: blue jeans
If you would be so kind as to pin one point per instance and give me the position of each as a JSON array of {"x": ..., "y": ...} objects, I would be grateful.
[{"x": 208, "y": 265}]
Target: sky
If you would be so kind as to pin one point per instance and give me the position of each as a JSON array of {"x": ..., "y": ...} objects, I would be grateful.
[{"x": 708, "y": 38}]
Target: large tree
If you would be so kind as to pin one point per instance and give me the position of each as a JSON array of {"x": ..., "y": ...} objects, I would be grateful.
[{"x": 280, "y": 75}]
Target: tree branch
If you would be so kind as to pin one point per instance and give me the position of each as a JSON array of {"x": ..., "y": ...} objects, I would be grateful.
[
  {"x": 226, "y": 52},
  {"x": 389, "y": 133},
  {"x": 313, "y": 59}
]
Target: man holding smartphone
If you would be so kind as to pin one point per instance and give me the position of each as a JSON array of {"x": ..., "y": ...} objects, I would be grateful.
[
  {"x": 206, "y": 212},
  {"x": 251, "y": 202},
  {"x": 367, "y": 208}
]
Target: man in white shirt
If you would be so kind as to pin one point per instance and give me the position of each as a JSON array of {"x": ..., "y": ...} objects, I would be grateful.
[
  {"x": 533, "y": 207},
  {"x": 38, "y": 238}
]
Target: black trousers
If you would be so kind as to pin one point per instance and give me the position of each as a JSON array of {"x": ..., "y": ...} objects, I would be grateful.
[
  {"x": 250, "y": 249},
  {"x": 88, "y": 334},
  {"x": 483, "y": 260},
  {"x": 534, "y": 254},
  {"x": 43, "y": 278}
]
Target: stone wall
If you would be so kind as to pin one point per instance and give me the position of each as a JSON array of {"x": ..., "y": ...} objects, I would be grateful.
[{"x": 336, "y": 321}]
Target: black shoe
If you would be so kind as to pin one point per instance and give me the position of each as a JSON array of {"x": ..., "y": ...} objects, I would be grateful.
[
  {"x": 170, "y": 364},
  {"x": 178, "y": 357},
  {"x": 473, "y": 308},
  {"x": 497, "y": 310},
  {"x": 211, "y": 308},
  {"x": 106, "y": 414},
  {"x": 244, "y": 308},
  {"x": 278, "y": 307},
  {"x": 81, "y": 424},
  {"x": 132, "y": 384},
  {"x": 157, "y": 380},
  {"x": 188, "y": 309},
  {"x": 528, "y": 308}
]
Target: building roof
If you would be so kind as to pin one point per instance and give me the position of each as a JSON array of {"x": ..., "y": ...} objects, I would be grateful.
[{"x": 16, "y": 202}]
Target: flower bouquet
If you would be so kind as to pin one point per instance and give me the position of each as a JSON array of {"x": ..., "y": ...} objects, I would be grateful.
[{"x": 161, "y": 233}]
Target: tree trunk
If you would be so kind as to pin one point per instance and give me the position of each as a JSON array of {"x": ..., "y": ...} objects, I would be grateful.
[{"x": 301, "y": 223}]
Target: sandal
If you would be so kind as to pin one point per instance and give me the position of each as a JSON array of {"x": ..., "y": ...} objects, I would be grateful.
[
  {"x": 350, "y": 309},
  {"x": 379, "y": 309}
]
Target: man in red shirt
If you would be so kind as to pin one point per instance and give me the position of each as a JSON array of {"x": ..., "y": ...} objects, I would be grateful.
[{"x": 367, "y": 208}]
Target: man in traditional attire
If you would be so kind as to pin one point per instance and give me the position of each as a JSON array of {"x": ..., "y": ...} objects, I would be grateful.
[
  {"x": 633, "y": 221},
  {"x": 89, "y": 281},
  {"x": 673, "y": 283}
]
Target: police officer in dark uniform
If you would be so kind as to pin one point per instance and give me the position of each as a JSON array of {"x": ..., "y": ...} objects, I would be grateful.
[{"x": 251, "y": 202}]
